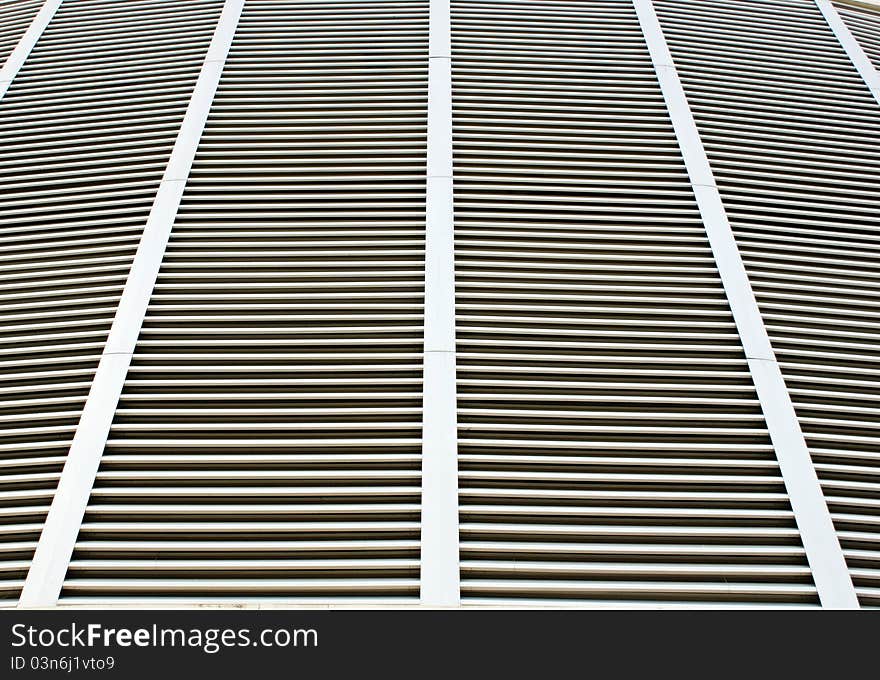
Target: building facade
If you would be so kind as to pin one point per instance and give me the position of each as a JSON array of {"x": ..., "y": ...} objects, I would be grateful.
[{"x": 440, "y": 302}]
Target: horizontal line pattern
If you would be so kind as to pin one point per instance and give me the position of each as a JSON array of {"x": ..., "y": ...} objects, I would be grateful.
[
  {"x": 15, "y": 18},
  {"x": 864, "y": 24},
  {"x": 85, "y": 132},
  {"x": 267, "y": 442},
  {"x": 793, "y": 136},
  {"x": 611, "y": 445}
]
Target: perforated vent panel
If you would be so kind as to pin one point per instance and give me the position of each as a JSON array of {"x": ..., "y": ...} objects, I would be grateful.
[
  {"x": 611, "y": 444},
  {"x": 793, "y": 136},
  {"x": 267, "y": 443}
]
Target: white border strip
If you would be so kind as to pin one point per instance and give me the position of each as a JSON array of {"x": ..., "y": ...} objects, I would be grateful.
[
  {"x": 851, "y": 46},
  {"x": 439, "y": 562},
  {"x": 19, "y": 55},
  {"x": 49, "y": 567},
  {"x": 824, "y": 554}
]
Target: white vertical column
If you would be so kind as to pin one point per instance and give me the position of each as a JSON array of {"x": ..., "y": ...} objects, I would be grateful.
[
  {"x": 17, "y": 57},
  {"x": 439, "y": 563},
  {"x": 55, "y": 547},
  {"x": 819, "y": 538},
  {"x": 852, "y": 47}
]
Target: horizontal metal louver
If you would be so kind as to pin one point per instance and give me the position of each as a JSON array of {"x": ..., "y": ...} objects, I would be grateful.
[
  {"x": 611, "y": 445},
  {"x": 793, "y": 136},
  {"x": 85, "y": 132},
  {"x": 267, "y": 443},
  {"x": 15, "y": 17},
  {"x": 864, "y": 24}
]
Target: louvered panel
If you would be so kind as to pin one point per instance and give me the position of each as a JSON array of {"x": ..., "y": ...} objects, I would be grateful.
[
  {"x": 611, "y": 444},
  {"x": 15, "y": 17},
  {"x": 85, "y": 132},
  {"x": 793, "y": 136},
  {"x": 267, "y": 443},
  {"x": 864, "y": 24}
]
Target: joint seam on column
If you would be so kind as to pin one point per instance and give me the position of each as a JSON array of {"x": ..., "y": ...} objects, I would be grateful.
[{"x": 440, "y": 570}]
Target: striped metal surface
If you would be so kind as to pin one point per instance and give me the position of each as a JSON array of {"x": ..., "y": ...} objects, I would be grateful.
[
  {"x": 267, "y": 443},
  {"x": 15, "y": 17},
  {"x": 793, "y": 136},
  {"x": 611, "y": 445},
  {"x": 85, "y": 132},
  {"x": 864, "y": 24}
]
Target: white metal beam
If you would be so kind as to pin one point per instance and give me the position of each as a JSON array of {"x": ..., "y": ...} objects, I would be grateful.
[
  {"x": 822, "y": 547},
  {"x": 55, "y": 547},
  {"x": 17, "y": 57},
  {"x": 439, "y": 562},
  {"x": 851, "y": 46}
]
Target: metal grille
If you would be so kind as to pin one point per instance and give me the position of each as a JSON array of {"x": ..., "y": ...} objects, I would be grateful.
[
  {"x": 793, "y": 136},
  {"x": 267, "y": 443},
  {"x": 15, "y": 17},
  {"x": 865, "y": 27},
  {"x": 85, "y": 131},
  {"x": 611, "y": 445}
]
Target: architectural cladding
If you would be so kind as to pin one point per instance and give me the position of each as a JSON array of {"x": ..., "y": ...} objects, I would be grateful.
[{"x": 518, "y": 302}]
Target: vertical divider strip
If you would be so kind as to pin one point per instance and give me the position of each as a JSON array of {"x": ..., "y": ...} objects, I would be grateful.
[
  {"x": 824, "y": 554},
  {"x": 851, "y": 46},
  {"x": 19, "y": 55},
  {"x": 440, "y": 579},
  {"x": 45, "y": 578}
]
